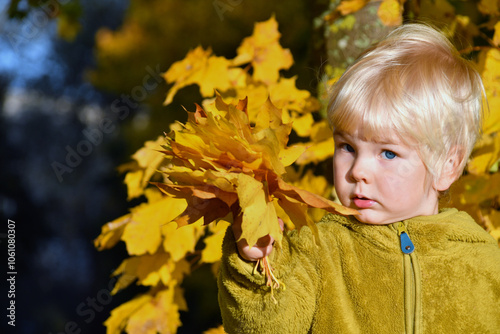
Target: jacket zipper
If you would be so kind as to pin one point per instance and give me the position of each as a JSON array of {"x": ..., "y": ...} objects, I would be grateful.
[{"x": 412, "y": 281}]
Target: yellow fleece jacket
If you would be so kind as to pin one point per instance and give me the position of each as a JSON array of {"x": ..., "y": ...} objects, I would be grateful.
[{"x": 359, "y": 280}]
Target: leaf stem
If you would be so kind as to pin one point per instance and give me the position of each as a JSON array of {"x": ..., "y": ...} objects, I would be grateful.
[{"x": 271, "y": 280}]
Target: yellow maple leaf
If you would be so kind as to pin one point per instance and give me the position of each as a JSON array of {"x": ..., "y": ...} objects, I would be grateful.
[
  {"x": 350, "y": 6},
  {"x": 496, "y": 35},
  {"x": 133, "y": 180},
  {"x": 180, "y": 241},
  {"x": 489, "y": 7},
  {"x": 141, "y": 237},
  {"x": 321, "y": 146},
  {"x": 199, "y": 67},
  {"x": 286, "y": 96},
  {"x": 479, "y": 196},
  {"x": 141, "y": 228},
  {"x": 475, "y": 189},
  {"x": 256, "y": 92},
  {"x": 127, "y": 272},
  {"x": 143, "y": 233},
  {"x": 390, "y": 13},
  {"x": 303, "y": 125},
  {"x": 264, "y": 52},
  {"x": 148, "y": 159},
  {"x": 491, "y": 77},
  {"x": 120, "y": 315},
  {"x": 490, "y": 220},
  {"x": 151, "y": 268},
  {"x": 258, "y": 215},
  {"x": 485, "y": 154},
  {"x": 291, "y": 154},
  {"x": 217, "y": 330},
  {"x": 439, "y": 11},
  {"x": 316, "y": 184},
  {"x": 111, "y": 233},
  {"x": 143, "y": 321},
  {"x": 213, "y": 243},
  {"x": 159, "y": 315},
  {"x": 316, "y": 152}
]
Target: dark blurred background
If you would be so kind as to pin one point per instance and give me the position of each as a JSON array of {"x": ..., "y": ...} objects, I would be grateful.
[{"x": 66, "y": 68}]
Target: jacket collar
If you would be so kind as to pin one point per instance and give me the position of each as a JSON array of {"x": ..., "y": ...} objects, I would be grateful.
[{"x": 439, "y": 232}]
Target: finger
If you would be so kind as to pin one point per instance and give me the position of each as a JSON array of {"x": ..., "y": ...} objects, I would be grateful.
[
  {"x": 255, "y": 253},
  {"x": 262, "y": 248}
]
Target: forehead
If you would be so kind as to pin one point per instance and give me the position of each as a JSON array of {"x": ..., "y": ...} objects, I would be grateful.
[{"x": 386, "y": 135}]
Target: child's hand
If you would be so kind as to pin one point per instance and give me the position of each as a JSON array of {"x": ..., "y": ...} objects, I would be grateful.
[{"x": 261, "y": 249}]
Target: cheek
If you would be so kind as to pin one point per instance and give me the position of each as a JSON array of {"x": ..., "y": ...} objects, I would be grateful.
[
  {"x": 338, "y": 173},
  {"x": 391, "y": 185},
  {"x": 412, "y": 168},
  {"x": 339, "y": 182},
  {"x": 403, "y": 187},
  {"x": 396, "y": 185}
]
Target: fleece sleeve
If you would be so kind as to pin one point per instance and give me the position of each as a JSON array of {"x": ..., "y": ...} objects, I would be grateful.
[{"x": 245, "y": 301}]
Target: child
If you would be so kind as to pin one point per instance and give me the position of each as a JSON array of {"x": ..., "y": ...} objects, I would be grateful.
[{"x": 405, "y": 118}]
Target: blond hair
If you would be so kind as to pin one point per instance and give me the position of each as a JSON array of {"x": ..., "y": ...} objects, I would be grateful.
[{"x": 414, "y": 83}]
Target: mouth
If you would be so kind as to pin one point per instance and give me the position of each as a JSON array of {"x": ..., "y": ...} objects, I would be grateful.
[{"x": 362, "y": 202}]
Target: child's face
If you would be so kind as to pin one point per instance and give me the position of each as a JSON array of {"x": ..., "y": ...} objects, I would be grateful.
[{"x": 385, "y": 181}]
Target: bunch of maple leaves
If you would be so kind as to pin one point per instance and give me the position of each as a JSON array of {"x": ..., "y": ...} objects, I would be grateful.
[
  {"x": 231, "y": 159},
  {"x": 221, "y": 164}
]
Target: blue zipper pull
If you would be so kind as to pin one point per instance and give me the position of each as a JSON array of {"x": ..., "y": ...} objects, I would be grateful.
[{"x": 406, "y": 244}]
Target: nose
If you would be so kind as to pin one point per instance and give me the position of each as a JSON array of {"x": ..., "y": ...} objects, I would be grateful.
[{"x": 361, "y": 171}]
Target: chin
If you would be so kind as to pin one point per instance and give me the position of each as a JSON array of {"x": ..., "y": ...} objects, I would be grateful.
[{"x": 369, "y": 219}]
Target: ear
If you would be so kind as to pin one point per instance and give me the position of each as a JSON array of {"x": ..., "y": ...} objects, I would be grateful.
[{"x": 450, "y": 172}]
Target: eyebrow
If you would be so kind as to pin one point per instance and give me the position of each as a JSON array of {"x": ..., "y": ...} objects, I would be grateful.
[{"x": 382, "y": 141}]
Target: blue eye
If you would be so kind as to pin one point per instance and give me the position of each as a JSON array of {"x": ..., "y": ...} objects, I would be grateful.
[
  {"x": 348, "y": 148},
  {"x": 388, "y": 155}
]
